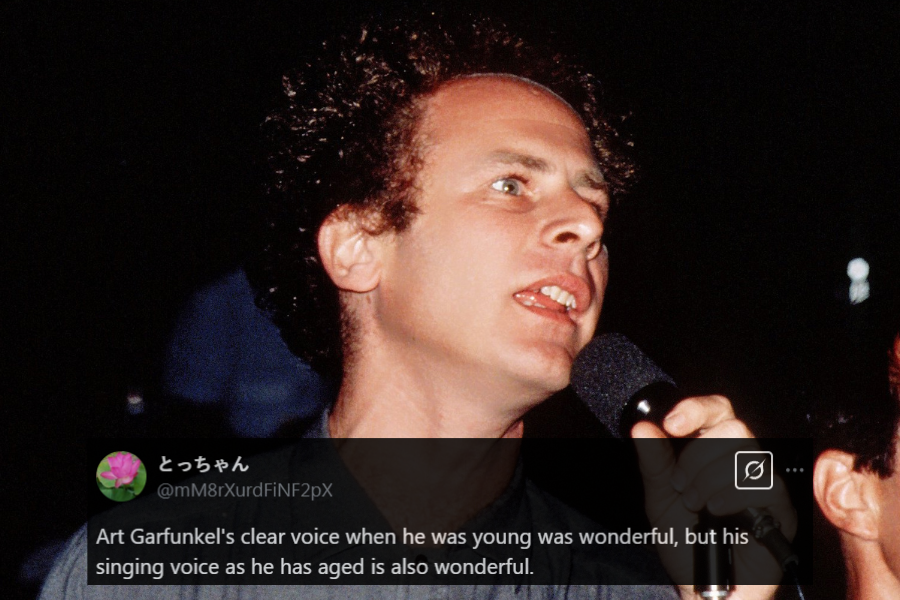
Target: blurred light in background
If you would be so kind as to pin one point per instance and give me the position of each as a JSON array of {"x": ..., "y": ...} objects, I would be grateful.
[
  {"x": 134, "y": 402},
  {"x": 858, "y": 272}
]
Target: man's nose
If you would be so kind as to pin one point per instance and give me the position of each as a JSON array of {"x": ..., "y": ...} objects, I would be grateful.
[{"x": 574, "y": 224}]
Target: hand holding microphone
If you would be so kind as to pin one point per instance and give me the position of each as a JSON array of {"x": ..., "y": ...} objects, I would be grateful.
[{"x": 633, "y": 397}]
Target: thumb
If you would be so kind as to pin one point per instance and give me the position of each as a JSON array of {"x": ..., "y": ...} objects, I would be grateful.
[{"x": 657, "y": 462}]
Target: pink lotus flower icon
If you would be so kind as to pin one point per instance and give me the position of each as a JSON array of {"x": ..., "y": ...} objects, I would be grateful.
[{"x": 123, "y": 467}]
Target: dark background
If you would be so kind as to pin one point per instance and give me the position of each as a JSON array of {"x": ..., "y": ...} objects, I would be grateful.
[{"x": 767, "y": 135}]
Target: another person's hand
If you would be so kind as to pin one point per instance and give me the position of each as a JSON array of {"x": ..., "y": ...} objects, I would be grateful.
[{"x": 677, "y": 487}]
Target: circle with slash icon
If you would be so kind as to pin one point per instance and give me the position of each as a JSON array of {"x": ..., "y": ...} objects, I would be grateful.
[{"x": 753, "y": 470}]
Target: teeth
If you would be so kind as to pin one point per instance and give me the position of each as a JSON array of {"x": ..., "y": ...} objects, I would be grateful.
[{"x": 559, "y": 295}]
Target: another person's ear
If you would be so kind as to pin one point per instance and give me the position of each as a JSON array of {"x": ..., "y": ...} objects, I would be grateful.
[
  {"x": 350, "y": 252},
  {"x": 848, "y": 498}
]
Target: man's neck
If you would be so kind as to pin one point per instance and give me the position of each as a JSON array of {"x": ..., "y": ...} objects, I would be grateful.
[
  {"x": 369, "y": 416},
  {"x": 443, "y": 482},
  {"x": 411, "y": 401}
]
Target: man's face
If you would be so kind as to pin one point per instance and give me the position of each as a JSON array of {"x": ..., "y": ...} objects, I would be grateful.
[{"x": 500, "y": 278}]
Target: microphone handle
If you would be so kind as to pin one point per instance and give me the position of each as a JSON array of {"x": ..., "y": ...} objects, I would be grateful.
[{"x": 712, "y": 561}]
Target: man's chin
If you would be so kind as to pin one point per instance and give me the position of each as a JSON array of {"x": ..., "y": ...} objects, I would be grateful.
[
  {"x": 541, "y": 382},
  {"x": 527, "y": 375}
]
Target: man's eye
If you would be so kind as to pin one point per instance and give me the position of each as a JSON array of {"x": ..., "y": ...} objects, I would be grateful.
[{"x": 507, "y": 185}]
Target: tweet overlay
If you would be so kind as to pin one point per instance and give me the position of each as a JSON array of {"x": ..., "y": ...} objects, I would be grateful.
[{"x": 446, "y": 512}]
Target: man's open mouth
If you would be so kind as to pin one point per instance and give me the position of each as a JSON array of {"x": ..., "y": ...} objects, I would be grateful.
[{"x": 551, "y": 297}]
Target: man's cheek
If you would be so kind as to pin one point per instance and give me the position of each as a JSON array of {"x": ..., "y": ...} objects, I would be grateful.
[
  {"x": 599, "y": 294},
  {"x": 603, "y": 270},
  {"x": 598, "y": 269}
]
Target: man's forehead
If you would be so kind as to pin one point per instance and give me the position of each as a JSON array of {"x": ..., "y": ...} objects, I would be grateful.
[
  {"x": 514, "y": 121},
  {"x": 472, "y": 95},
  {"x": 523, "y": 81}
]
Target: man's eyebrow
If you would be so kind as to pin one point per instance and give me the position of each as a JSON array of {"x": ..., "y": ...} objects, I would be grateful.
[
  {"x": 533, "y": 163},
  {"x": 592, "y": 178}
]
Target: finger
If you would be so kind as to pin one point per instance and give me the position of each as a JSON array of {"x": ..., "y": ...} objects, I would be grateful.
[
  {"x": 655, "y": 455},
  {"x": 697, "y": 414},
  {"x": 656, "y": 459},
  {"x": 647, "y": 430},
  {"x": 728, "y": 429}
]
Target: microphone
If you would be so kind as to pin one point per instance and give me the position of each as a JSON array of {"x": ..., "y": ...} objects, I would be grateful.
[{"x": 621, "y": 386}]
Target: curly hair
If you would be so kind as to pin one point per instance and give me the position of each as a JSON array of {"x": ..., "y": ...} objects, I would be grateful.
[
  {"x": 860, "y": 413},
  {"x": 346, "y": 136}
]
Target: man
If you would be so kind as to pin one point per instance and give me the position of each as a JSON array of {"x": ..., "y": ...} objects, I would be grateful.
[
  {"x": 438, "y": 208},
  {"x": 442, "y": 197},
  {"x": 857, "y": 484}
]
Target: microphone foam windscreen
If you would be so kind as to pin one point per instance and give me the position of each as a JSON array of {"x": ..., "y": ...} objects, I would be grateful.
[{"x": 608, "y": 372}]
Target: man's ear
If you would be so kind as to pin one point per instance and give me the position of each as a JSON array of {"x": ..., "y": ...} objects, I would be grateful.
[
  {"x": 848, "y": 498},
  {"x": 350, "y": 253}
]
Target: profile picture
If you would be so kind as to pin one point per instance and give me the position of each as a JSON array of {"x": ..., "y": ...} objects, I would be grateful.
[{"x": 121, "y": 476}]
